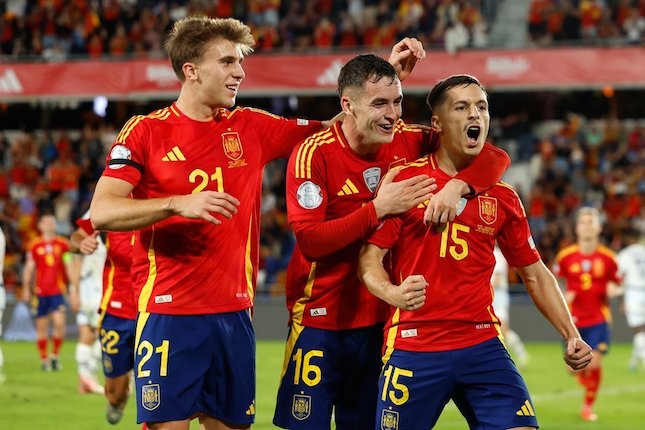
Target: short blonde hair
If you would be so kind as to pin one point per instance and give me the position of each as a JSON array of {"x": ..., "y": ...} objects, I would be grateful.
[
  {"x": 189, "y": 37},
  {"x": 587, "y": 210}
]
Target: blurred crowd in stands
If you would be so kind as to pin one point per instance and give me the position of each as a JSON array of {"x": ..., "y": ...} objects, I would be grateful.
[
  {"x": 54, "y": 30},
  {"x": 558, "y": 166},
  {"x": 596, "y": 21},
  {"x": 571, "y": 163}
]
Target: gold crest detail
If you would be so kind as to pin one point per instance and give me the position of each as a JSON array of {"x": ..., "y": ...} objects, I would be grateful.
[
  {"x": 232, "y": 145},
  {"x": 150, "y": 396},
  {"x": 487, "y": 209},
  {"x": 389, "y": 420},
  {"x": 301, "y": 408}
]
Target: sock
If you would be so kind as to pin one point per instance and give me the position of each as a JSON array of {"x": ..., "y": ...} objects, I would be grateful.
[
  {"x": 42, "y": 348},
  {"x": 83, "y": 359},
  {"x": 593, "y": 384},
  {"x": 1, "y": 359},
  {"x": 639, "y": 346},
  {"x": 57, "y": 344}
]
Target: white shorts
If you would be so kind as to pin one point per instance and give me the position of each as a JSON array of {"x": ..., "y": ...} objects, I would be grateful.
[
  {"x": 501, "y": 304},
  {"x": 635, "y": 307},
  {"x": 87, "y": 316}
]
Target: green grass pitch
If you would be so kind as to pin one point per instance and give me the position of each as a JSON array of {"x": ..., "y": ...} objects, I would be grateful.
[{"x": 31, "y": 399}]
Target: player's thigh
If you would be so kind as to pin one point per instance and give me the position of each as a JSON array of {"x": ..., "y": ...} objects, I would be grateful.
[
  {"x": 358, "y": 384},
  {"x": 117, "y": 345},
  {"x": 490, "y": 391},
  {"x": 228, "y": 392},
  {"x": 635, "y": 308},
  {"x": 597, "y": 337},
  {"x": 172, "y": 356},
  {"x": 310, "y": 378},
  {"x": 414, "y": 388}
]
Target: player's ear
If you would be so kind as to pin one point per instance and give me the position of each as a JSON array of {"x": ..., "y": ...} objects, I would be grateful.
[
  {"x": 346, "y": 105},
  {"x": 436, "y": 124},
  {"x": 190, "y": 71}
]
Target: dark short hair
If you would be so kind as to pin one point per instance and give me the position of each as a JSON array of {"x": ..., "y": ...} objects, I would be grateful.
[
  {"x": 438, "y": 94},
  {"x": 362, "y": 68}
]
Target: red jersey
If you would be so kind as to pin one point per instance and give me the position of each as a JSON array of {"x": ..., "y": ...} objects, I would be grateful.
[
  {"x": 118, "y": 295},
  {"x": 327, "y": 180},
  {"x": 587, "y": 275},
  {"x": 190, "y": 266},
  {"x": 457, "y": 263},
  {"x": 51, "y": 278}
]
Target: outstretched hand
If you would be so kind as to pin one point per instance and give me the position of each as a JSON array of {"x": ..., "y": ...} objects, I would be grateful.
[{"x": 404, "y": 56}]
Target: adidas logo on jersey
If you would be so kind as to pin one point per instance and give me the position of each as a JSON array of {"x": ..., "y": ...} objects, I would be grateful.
[
  {"x": 348, "y": 189},
  {"x": 9, "y": 82},
  {"x": 174, "y": 155},
  {"x": 526, "y": 410}
]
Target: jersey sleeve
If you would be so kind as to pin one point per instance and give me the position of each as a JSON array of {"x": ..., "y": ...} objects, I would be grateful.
[
  {"x": 515, "y": 240},
  {"x": 280, "y": 135},
  {"x": 84, "y": 223},
  {"x": 486, "y": 170},
  {"x": 307, "y": 196},
  {"x": 126, "y": 159},
  {"x": 386, "y": 233}
]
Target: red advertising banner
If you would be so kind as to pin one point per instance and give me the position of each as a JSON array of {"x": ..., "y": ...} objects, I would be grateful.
[{"x": 560, "y": 69}]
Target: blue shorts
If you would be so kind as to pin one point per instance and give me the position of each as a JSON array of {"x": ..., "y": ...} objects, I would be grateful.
[
  {"x": 597, "y": 336},
  {"x": 49, "y": 304},
  {"x": 328, "y": 368},
  {"x": 117, "y": 345},
  {"x": 482, "y": 380},
  {"x": 191, "y": 364}
]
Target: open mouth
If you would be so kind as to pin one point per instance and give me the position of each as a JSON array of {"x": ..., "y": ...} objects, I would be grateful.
[
  {"x": 473, "y": 132},
  {"x": 386, "y": 127}
]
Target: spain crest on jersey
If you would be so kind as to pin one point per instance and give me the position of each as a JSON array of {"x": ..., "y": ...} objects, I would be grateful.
[
  {"x": 488, "y": 209},
  {"x": 150, "y": 396},
  {"x": 389, "y": 420},
  {"x": 301, "y": 408},
  {"x": 232, "y": 145},
  {"x": 372, "y": 176}
]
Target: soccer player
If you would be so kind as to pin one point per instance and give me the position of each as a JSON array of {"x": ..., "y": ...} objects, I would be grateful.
[
  {"x": 3, "y": 298},
  {"x": 631, "y": 264},
  {"x": 85, "y": 298},
  {"x": 501, "y": 304},
  {"x": 117, "y": 313},
  {"x": 195, "y": 172},
  {"x": 448, "y": 345},
  {"x": 589, "y": 271},
  {"x": 49, "y": 259},
  {"x": 332, "y": 356}
]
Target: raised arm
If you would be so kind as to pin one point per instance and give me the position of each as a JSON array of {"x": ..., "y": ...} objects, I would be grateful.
[
  {"x": 545, "y": 292},
  {"x": 405, "y": 55},
  {"x": 410, "y": 295},
  {"x": 113, "y": 210}
]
